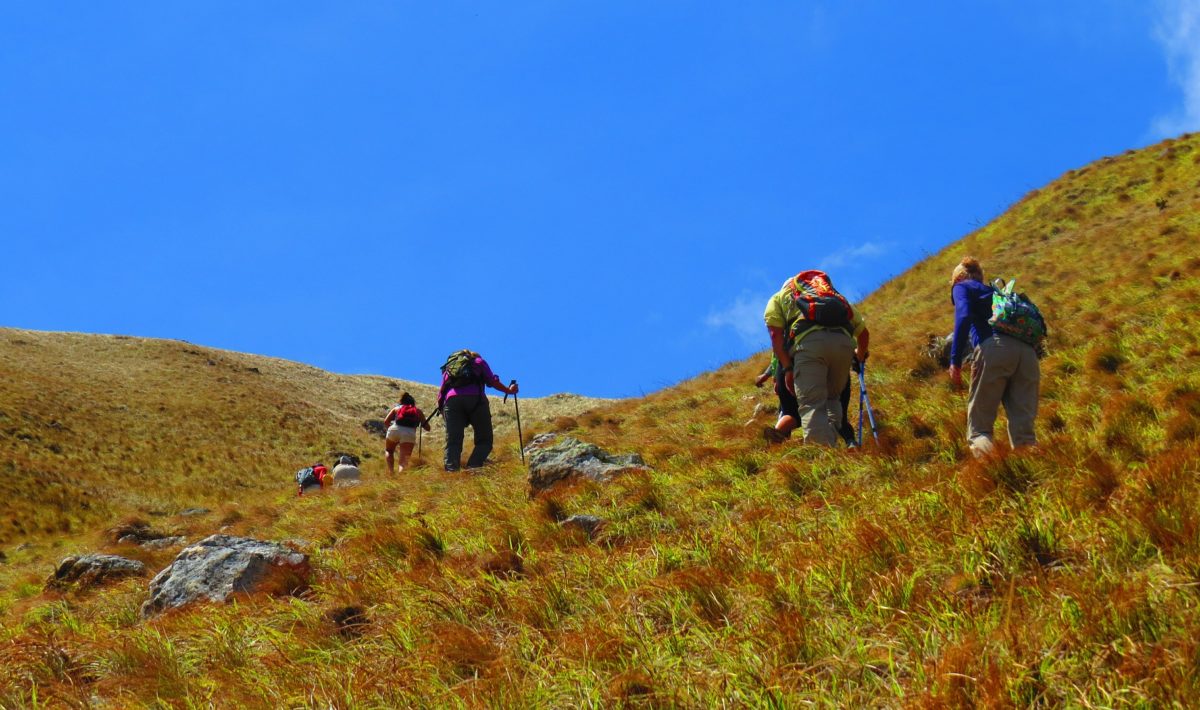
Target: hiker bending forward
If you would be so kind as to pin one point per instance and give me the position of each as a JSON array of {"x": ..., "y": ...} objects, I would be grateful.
[
  {"x": 1004, "y": 370},
  {"x": 815, "y": 358},
  {"x": 465, "y": 403}
]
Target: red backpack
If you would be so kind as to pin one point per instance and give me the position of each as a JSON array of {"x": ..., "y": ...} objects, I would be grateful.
[
  {"x": 408, "y": 415},
  {"x": 819, "y": 303}
]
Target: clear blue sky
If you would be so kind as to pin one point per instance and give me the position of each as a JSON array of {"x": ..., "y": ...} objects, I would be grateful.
[{"x": 599, "y": 196}]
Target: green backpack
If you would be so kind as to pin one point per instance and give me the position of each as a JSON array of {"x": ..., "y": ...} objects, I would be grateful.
[
  {"x": 1015, "y": 315},
  {"x": 460, "y": 369}
]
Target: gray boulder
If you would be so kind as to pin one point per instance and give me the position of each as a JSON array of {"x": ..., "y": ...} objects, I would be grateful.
[
  {"x": 87, "y": 571},
  {"x": 222, "y": 565},
  {"x": 554, "y": 457}
]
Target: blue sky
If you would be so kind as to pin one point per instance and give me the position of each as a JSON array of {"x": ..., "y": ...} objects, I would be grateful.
[{"x": 599, "y": 196}]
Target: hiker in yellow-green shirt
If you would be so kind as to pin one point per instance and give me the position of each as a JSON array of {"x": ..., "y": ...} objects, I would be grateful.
[{"x": 816, "y": 334}]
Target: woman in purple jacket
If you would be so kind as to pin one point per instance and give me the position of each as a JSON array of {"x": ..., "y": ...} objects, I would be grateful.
[
  {"x": 465, "y": 404},
  {"x": 1004, "y": 369}
]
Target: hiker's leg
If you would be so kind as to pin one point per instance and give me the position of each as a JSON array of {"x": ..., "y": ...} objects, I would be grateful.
[
  {"x": 455, "y": 416},
  {"x": 810, "y": 375},
  {"x": 846, "y": 430},
  {"x": 389, "y": 447},
  {"x": 839, "y": 353},
  {"x": 481, "y": 422},
  {"x": 1021, "y": 397},
  {"x": 989, "y": 377},
  {"x": 405, "y": 453},
  {"x": 789, "y": 412}
]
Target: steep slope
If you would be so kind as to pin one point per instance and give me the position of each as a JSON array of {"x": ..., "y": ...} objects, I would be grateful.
[
  {"x": 98, "y": 426},
  {"x": 734, "y": 574}
]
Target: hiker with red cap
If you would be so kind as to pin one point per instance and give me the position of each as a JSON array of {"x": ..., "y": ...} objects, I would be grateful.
[
  {"x": 463, "y": 402},
  {"x": 816, "y": 334}
]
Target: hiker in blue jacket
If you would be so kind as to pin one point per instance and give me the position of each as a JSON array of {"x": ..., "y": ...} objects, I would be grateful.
[{"x": 1004, "y": 369}]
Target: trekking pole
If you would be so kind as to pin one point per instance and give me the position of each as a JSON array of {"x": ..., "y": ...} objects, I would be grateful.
[
  {"x": 520, "y": 436},
  {"x": 864, "y": 403}
]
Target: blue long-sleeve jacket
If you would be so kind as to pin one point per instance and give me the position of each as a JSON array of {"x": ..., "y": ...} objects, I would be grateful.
[{"x": 972, "y": 309}]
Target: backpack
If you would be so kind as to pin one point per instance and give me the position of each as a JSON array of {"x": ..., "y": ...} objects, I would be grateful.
[
  {"x": 408, "y": 415},
  {"x": 819, "y": 303},
  {"x": 1015, "y": 315},
  {"x": 311, "y": 476},
  {"x": 460, "y": 369}
]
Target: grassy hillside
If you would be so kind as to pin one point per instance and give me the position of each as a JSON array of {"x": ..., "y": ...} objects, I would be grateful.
[
  {"x": 95, "y": 427},
  {"x": 735, "y": 574}
]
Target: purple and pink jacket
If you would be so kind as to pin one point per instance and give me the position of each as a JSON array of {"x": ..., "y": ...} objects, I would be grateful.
[{"x": 486, "y": 376}]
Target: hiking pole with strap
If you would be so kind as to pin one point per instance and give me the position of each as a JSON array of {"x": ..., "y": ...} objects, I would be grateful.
[
  {"x": 520, "y": 436},
  {"x": 864, "y": 405}
]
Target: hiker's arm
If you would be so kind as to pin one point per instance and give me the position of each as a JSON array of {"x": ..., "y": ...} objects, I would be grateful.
[
  {"x": 424, "y": 420},
  {"x": 391, "y": 416},
  {"x": 864, "y": 345},
  {"x": 496, "y": 384},
  {"x": 777, "y": 347}
]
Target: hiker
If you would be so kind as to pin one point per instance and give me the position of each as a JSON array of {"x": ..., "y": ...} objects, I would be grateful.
[
  {"x": 402, "y": 422},
  {"x": 789, "y": 414},
  {"x": 813, "y": 332},
  {"x": 311, "y": 478},
  {"x": 346, "y": 469},
  {"x": 1004, "y": 369},
  {"x": 464, "y": 402}
]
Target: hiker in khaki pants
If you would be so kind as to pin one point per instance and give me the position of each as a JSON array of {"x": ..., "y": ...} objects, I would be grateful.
[{"x": 1004, "y": 371}]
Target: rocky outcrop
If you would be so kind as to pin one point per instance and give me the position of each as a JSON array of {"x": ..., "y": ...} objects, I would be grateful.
[
  {"x": 555, "y": 457},
  {"x": 87, "y": 571},
  {"x": 222, "y": 565}
]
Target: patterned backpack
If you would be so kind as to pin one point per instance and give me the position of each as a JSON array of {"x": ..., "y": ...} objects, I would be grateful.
[
  {"x": 1015, "y": 315},
  {"x": 819, "y": 303}
]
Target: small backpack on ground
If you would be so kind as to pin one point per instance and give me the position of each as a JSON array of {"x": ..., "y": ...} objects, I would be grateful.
[
  {"x": 819, "y": 303},
  {"x": 460, "y": 367},
  {"x": 311, "y": 476},
  {"x": 1015, "y": 315},
  {"x": 408, "y": 415}
]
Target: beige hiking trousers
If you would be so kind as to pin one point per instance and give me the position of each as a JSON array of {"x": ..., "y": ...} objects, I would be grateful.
[
  {"x": 1005, "y": 371},
  {"x": 820, "y": 367}
]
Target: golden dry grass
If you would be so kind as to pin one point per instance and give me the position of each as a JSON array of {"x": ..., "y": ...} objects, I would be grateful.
[{"x": 734, "y": 574}]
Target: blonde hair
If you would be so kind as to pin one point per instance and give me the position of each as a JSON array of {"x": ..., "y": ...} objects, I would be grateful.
[{"x": 968, "y": 268}]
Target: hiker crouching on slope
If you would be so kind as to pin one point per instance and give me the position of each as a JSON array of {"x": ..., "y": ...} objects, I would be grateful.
[
  {"x": 402, "y": 422},
  {"x": 464, "y": 402},
  {"x": 813, "y": 331},
  {"x": 789, "y": 410},
  {"x": 1004, "y": 369}
]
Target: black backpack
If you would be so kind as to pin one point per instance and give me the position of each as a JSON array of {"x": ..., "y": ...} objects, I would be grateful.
[{"x": 460, "y": 369}]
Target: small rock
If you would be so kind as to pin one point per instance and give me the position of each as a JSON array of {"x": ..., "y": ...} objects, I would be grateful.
[
  {"x": 376, "y": 427},
  {"x": 588, "y": 524},
  {"x": 88, "y": 571},
  {"x": 163, "y": 543},
  {"x": 221, "y": 565},
  {"x": 189, "y": 512}
]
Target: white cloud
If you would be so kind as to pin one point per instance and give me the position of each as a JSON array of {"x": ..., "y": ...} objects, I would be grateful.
[
  {"x": 866, "y": 250},
  {"x": 1178, "y": 32},
  {"x": 745, "y": 317}
]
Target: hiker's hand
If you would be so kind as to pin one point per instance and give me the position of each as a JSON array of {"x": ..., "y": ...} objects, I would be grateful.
[
  {"x": 758, "y": 381},
  {"x": 513, "y": 388},
  {"x": 955, "y": 375},
  {"x": 856, "y": 365},
  {"x": 861, "y": 354},
  {"x": 789, "y": 381}
]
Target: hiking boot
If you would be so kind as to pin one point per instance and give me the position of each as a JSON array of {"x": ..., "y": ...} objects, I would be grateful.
[{"x": 773, "y": 435}]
